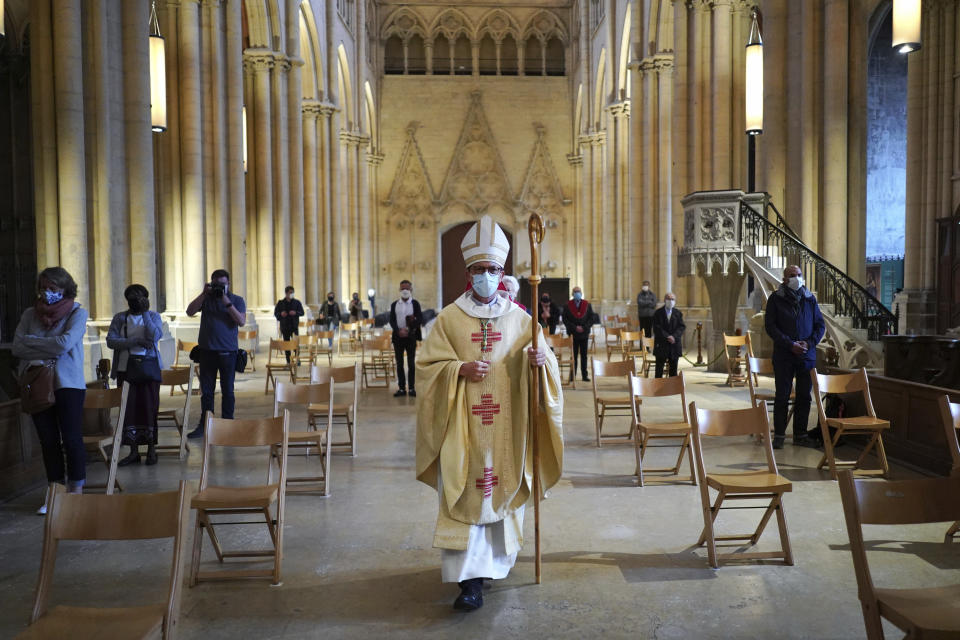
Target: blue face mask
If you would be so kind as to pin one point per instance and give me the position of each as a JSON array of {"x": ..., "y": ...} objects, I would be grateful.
[
  {"x": 485, "y": 284},
  {"x": 577, "y": 296},
  {"x": 52, "y": 297}
]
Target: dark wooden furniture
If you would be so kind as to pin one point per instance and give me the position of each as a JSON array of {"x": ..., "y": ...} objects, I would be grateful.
[
  {"x": 21, "y": 466},
  {"x": 933, "y": 360},
  {"x": 948, "y": 272}
]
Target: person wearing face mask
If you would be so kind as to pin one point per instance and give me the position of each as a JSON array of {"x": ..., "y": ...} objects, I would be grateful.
[
  {"x": 473, "y": 421},
  {"x": 51, "y": 331},
  {"x": 548, "y": 314},
  {"x": 133, "y": 333},
  {"x": 330, "y": 315},
  {"x": 288, "y": 312},
  {"x": 511, "y": 287},
  {"x": 356, "y": 308},
  {"x": 668, "y": 328},
  {"x": 578, "y": 318},
  {"x": 794, "y": 322},
  {"x": 646, "y": 305},
  {"x": 406, "y": 318},
  {"x": 222, "y": 313}
]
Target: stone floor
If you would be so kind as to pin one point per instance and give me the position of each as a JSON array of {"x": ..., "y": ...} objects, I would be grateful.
[{"x": 619, "y": 560}]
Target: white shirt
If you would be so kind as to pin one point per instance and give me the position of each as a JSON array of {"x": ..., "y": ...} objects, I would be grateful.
[
  {"x": 134, "y": 331},
  {"x": 403, "y": 309}
]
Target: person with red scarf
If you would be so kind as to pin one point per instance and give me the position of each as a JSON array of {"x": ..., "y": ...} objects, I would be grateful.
[
  {"x": 51, "y": 331},
  {"x": 578, "y": 319}
]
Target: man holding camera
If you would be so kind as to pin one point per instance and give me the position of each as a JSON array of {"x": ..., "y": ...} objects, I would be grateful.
[{"x": 221, "y": 314}]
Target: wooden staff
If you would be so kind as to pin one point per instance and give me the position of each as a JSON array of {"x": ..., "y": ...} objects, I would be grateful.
[{"x": 535, "y": 228}]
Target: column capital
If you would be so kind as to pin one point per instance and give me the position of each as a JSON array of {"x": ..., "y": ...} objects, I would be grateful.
[
  {"x": 575, "y": 159},
  {"x": 258, "y": 59},
  {"x": 311, "y": 108},
  {"x": 375, "y": 158},
  {"x": 213, "y": 4},
  {"x": 354, "y": 138},
  {"x": 281, "y": 61},
  {"x": 618, "y": 109},
  {"x": 327, "y": 109},
  {"x": 296, "y": 61}
]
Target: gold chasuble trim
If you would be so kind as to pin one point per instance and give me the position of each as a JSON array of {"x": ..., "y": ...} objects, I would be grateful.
[{"x": 465, "y": 430}]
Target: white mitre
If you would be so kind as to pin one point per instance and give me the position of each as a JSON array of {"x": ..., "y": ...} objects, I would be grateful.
[{"x": 485, "y": 241}]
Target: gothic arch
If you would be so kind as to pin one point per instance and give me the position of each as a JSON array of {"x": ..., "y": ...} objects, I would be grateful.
[
  {"x": 346, "y": 91},
  {"x": 545, "y": 25},
  {"x": 258, "y": 24},
  {"x": 600, "y": 89},
  {"x": 623, "y": 85},
  {"x": 498, "y": 23},
  {"x": 404, "y": 23},
  {"x": 451, "y": 23},
  {"x": 312, "y": 54}
]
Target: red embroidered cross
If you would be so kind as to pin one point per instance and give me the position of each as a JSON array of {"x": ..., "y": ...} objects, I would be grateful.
[
  {"x": 488, "y": 482},
  {"x": 486, "y": 409},
  {"x": 486, "y": 338}
]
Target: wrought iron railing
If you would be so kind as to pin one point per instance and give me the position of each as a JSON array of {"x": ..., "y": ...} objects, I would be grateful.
[{"x": 832, "y": 285}]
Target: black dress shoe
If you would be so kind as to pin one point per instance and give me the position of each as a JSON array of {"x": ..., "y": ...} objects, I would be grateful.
[
  {"x": 131, "y": 458},
  {"x": 196, "y": 433},
  {"x": 471, "y": 595},
  {"x": 586, "y": 378},
  {"x": 806, "y": 441},
  {"x": 400, "y": 393},
  {"x": 778, "y": 442},
  {"x": 412, "y": 393},
  {"x": 151, "y": 455}
]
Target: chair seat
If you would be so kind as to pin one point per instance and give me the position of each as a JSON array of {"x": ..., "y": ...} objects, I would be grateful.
[
  {"x": 859, "y": 422},
  {"x": 750, "y": 481},
  {"x": 88, "y": 623},
  {"x": 322, "y": 408},
  {"x": 620, "y": 401},
  {"x": 678, "y": 428},
  {"x": 935, "y": 609},
  {"x": 305, "y": 436},
  {"x": 240, "y": 497},
  {"x": 98, "y": 439},
  {"x": 167, "y": 413},
  {"x": 770, "y": 396}
]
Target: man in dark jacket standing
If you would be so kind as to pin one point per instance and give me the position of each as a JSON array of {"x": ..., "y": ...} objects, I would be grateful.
[
  {"x": 794, "y": 322},
  {"x": 548, "y": 314},
  {"x": 288, "y": 313},
  {"x": 646, "y": 305},
  {"x": 668, "y": 331},
  {"x": 406, "y": 318},
  {"x": 578, "y": 319}
]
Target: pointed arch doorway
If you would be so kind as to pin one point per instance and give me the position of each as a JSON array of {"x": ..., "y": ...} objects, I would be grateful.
[{"x": 451, "y": 260}]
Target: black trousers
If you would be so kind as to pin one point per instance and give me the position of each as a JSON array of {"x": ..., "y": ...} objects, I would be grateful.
[
  {"x": 784, "y": 374},
  {"x": 211, "y": 364},
  {"x": 407, "y": 346},
  {"x": 646, "y": 325},
  {"x": 658, "y": 370},
  {"x": 287, "y": 334},
  {"x": 60, "y": 430},
  {"x": 580, "y": 353}
]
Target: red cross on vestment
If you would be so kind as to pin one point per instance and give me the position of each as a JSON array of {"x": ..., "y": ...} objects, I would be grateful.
[
  {"x": 487, "y": 482},
  {"x": 486, "y": 338},
  {"x": 486, "y": 409}
]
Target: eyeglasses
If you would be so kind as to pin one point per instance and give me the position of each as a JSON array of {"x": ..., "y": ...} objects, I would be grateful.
[{"x": 477, "y": 270}]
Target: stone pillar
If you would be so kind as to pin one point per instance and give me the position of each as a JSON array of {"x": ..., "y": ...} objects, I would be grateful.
[
  {"x": 311, "y": 210},
  {"x": 666, "y": 217},
  {"x": 330, "y": 198},
  {"x": 428, "y": 50},
  {"x": 235, "y": 171},
  {"x": 216, "y": 144},
  {"x": 259, "y": 121},
  {"x": 169, "y": 186},
  {"x": 139, "y": 147},
  {"x": 70, "y": 147},
  {"x": 296, "y": 178},
  {"x": 575, "y": 265},
  {"x": 281, "y": 183},
  {"x": 44, "y": 134},
  {"x": 191, "y": 150},
  {"x": 721, "y": 83},
  {"x": 835, "y": 214},
  {"x": 680, "y": 135},
  {"x": 374, "y": 161}
]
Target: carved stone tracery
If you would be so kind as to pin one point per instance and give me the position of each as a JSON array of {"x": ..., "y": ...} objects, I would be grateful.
[
  {"x": 541, "y": 191},
  {"x": 411, "y": 195}
]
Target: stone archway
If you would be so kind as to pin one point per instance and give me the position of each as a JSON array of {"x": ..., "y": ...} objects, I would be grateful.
[{"x": 451, "y": 260}]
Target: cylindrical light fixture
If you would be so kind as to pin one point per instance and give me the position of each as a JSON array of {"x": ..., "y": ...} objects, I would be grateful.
[
  {"x": 906, "y": 25},
  {"x": 243, "y": 129},
  {"x": 158, "y": 75},
  {"x": 753, "y": 85},
  {"x": 3, "y": 26}
]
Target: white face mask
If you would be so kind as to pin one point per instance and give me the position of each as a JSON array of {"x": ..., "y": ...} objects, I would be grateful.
[
  {"x": 669, "y": 304},
  {"x": 795, "y": 282},
  {"x": 404, "y": 294},
  {"x": 645, "y": 288},
  {"x": 485, "y": 284}
]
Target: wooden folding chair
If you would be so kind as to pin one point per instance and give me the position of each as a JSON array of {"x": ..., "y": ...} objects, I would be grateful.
[
  {"x": 214, "y": 501},
  {"x": 344, "y": 413},
  {"x": 647, "y": 430},
  {"x": 630, "y": 345},
  {"x": 563, "y": 350},
  {"x": 610, "y": 406},
  {"x": 185, "y": 348},
  {"x": 760, "y": 396},
  {"x": 351, "y": 332},
  {"x": 107, "y": 399},
  {"x": 736, "y": 376},
  {"x": 248, "y": 342},
  {"x": 760, "y": 484},
  {"x": 306, "y": 356},
  {"x": 927, "y": 612},
  {"x": 950, "y": 414},
  {"x": 612, "y": 340},
  {"x": 647, "y": 358},
  {"x": 869, "y": 425},
  {"x": 314, "y": 435},
  {"x": 143, "y": 516},
  {"x": 324, "y": 345},
  {"x": 178, "y": 418},
  {"x": 373, "y": 362},
  {"x": 278, "y": 349}
]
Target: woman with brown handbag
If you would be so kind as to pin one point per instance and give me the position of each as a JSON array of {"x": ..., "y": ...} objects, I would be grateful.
[
  {"x": 134, "y": 335},
  {"x": 50, "y": 334}
]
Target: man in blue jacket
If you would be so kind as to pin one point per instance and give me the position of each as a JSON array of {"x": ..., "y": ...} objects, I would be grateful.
[{"x": 794, "y": 321}]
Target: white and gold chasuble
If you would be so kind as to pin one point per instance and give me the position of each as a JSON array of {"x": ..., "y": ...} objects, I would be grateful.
[{"x": 476, "y": 435}]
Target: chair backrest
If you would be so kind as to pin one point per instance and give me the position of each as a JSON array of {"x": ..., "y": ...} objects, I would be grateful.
[
  {"x": 950, "y": 415},
  {"x": 349, "y": 326},
  {"x": 648, "y": 344},
  {"x": 339, "y": 374},
  {"x": 257, "y": 432},
  {"x": 306, "y": 340},
  {"x": 103, "y": 398},
  {"x": 603, "y": 369},
  {"x": 658, "y": 388},
  {"x": 735, "y": 341},
  {"x": 629, "y": 337},
  {"x": 300, "y": 394},
  {"x": 323, "y": 335},
  {"x": 278, "y": 347},
  {"x": 841, "y": 383},
  {"x": 177, "y": 377},
  {"x": 130, "y": 516},
  {"x": 730, "y": 422},
  {"x": 248, "y": 335},
  {"x": 760, "y": 366},
  {"x": 559, "y": 342},
  {"x": 613, "y": 332}
]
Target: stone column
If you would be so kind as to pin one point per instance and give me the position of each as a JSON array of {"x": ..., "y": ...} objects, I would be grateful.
[
  {"x": 329, "y": 199},
  {"x": 365, "y": 245},
  {"x": 721, "y": 77},
  {"x": 475, "y": 58},
  {"x": 666, "y": 219},
  {"x": 44, "y": 134},
  {"x": 296, "y": 179},
  {"x": 139, "y": 146},
  {"x": 281, "y": 182},
  {"x": 835, "y": 214},
  {"x": 168, "y": 159},
  {"x": 428, "y": 50},
  {"x": 680, "y": 135},
  {"x": 191, "y": 151},
  {"x": 235, "y": 171},
  {"x": 259, "y": 121},
  {"x": 311, "y": 209},
  {"x": 574, "y": 254},
  {"x": 216, "y": 144}
]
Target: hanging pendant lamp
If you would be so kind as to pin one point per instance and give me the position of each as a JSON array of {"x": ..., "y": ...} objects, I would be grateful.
[
  {"x": 158, "y": 75},
  {"x": 753, "y": 85},
  {"x": 906, "y": 25}
]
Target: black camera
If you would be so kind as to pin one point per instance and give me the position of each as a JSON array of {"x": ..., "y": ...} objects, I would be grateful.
[{"x": 217, "y": 289}]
